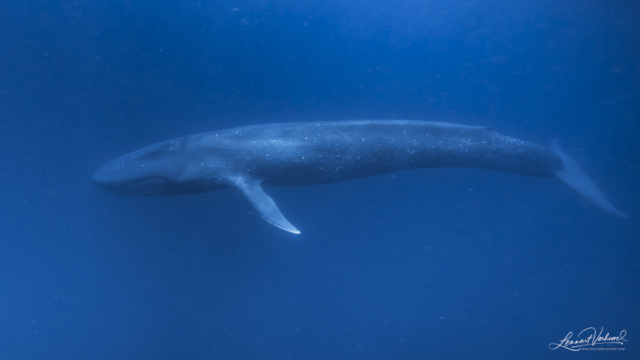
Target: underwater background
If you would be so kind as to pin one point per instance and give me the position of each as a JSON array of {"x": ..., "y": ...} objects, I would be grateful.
[{"x": 424, "y": 264}]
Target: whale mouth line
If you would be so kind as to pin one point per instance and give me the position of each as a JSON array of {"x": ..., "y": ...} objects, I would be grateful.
[
  {"x": 151, "y": 185},
  {"x": 125, "y": 182}
]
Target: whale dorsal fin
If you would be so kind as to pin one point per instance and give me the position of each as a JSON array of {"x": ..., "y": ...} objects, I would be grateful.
[{"x": 263, "y": 203}]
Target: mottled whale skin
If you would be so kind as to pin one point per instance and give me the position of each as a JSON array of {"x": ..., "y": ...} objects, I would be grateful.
[{"x": 309, "y": 153}]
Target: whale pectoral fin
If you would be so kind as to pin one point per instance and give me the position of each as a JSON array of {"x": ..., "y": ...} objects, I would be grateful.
[
  {"x": 578, "y": 182},
  {"x": 264, "y": 204}
]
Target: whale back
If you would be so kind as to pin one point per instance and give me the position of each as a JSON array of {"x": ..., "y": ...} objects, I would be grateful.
[{"x": 326, "y": 152}]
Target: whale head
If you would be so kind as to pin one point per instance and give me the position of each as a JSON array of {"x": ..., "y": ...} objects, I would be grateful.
[{"x": 160, "y": 169}]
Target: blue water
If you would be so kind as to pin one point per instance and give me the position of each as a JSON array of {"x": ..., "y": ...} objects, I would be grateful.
[{"x": 426, "y": 264}]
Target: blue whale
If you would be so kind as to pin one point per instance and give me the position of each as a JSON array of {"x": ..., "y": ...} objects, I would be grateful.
[{"x": 308, "y": 153}]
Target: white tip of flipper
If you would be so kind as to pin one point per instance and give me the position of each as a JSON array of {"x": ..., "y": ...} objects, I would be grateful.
[
  {"x": 284, "y": 225},
  {"x": 577, "y": 181},
  {"x": 264, "y": 204},
  {"x": 279, "y": 221},
  {"x": 293, "y": 231}
]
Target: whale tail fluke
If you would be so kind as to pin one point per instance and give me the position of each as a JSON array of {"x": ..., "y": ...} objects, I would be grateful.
[{"x": 577, "y": 181}]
